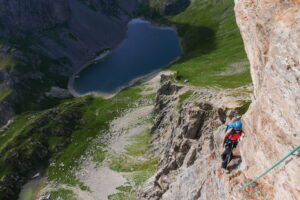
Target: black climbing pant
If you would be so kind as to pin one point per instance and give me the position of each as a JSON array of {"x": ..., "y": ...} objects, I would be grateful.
[{"x": 227, "y": 155}]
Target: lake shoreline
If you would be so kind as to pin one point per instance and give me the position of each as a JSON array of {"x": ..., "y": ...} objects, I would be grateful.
[{"x": 134, "y": 81}]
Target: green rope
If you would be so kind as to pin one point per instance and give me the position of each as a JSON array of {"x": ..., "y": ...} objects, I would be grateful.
[{"x": 263, "y": 174}]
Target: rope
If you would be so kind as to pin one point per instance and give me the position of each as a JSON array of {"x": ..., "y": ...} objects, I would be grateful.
[{"x": 267, "y": 171}]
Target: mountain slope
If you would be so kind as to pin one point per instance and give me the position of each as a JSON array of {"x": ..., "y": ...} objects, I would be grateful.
[
  {"x": 45, "y": 42},
  {"x": 214, "y": 51}
]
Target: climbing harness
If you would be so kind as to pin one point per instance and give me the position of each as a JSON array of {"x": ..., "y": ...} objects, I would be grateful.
[{"x": 267, "y": 171}]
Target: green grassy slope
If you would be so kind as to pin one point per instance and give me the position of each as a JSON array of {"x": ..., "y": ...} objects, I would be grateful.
[
  {"x": 138, "y": 161},
  {"x": 211, "y": 43},
  {"x": 32, "y": 138},
  {"x": 63, "y": 133},
  {"x": 96, "y": 116}
]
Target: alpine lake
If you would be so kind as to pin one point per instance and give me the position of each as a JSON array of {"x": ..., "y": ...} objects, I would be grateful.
[{"x": 146, "y": 50}]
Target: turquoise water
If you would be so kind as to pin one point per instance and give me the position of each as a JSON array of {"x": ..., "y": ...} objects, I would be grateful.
[{"x": 147, "y": 48}]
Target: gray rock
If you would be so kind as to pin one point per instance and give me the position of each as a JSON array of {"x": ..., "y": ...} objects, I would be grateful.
[{"x": 188, "y": 144}]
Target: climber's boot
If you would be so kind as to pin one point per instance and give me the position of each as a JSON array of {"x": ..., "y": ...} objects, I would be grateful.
[{"x": 226, "y": 171}]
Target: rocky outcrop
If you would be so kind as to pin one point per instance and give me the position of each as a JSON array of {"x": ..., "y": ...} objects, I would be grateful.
[
  {"x": 270, "y": 31},
  {"x": 188, "y": 142}
]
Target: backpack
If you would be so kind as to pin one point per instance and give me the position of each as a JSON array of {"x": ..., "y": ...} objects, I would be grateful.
[{"x": 229, "y": 126}]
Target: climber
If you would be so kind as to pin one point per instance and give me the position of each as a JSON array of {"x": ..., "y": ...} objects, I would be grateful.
[{"x": 232, "y": 135}]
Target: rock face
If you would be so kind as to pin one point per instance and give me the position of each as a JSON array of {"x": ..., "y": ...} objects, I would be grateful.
[
  {"x": 270, "y": 31},
  {"x": 188, "y": 142}
]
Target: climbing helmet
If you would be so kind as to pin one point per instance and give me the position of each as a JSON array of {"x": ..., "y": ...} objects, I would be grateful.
[{"x": 238, "y": 125}]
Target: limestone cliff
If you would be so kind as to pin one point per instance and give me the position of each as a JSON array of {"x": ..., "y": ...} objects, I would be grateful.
[
  {"x": 270, "y": 30},
  {"x": 188, "y": 138}
]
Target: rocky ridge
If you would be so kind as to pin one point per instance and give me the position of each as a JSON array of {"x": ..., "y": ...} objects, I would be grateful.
[{"x": 188, "y": 141}]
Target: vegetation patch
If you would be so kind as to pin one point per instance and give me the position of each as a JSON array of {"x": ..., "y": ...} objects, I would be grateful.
[
  {"x": 211, "y": 42},
  {"x": 5, "y": 94},
  {"x": 124, "y": 163},
  {"x": 62, "y": 194},
  {"x": 56, "y": 142},
  {"x": 28, "y": 142},
  {"x": 99, "y": 156},
  {"x": 60, "y": 136},
  {"x": 139, "y": 177},
  {"x": 96, "y": 117},
  {"x": 136, "y": 160},
  {"x": 140, "y": 145},
  {"x": 7, "y": 61},
  {"x": 134, "y": 180},
  {"x": 124, "y": 188},
  {"x": 136, "y": 157},
  {"x": 244, "y": 107},
  {"x": 183, "y": 97},
  {"x": 120, "y": 196}
]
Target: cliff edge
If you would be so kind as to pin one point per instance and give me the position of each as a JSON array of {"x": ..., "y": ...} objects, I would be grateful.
[{"x": 270, "y": 30}]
